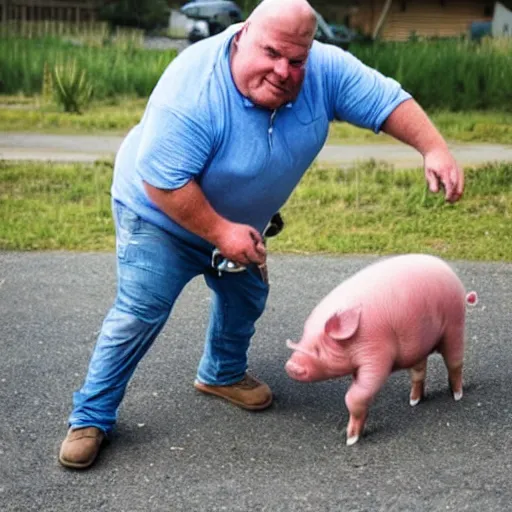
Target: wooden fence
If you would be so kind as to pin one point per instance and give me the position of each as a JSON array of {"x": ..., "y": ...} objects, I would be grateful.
[{"x": 70, "y": 11}]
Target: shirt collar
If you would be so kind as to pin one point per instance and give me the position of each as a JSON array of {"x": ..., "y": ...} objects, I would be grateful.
[{"x": 249, "y": 104}]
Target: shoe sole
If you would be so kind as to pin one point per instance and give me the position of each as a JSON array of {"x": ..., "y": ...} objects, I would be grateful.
[
  {"x": 76, "y": 465},
  {"x": 203, "y": 388}
]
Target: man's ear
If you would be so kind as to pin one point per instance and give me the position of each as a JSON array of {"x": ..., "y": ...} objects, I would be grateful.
[
  {"x": 244, "y": 28},
  {"x": 238, "y": 35}
]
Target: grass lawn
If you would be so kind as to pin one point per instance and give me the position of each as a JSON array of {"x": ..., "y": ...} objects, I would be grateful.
[
  {"x": 22, "y": 114},
  {"x": 19, "y": 114},
  {"x": 365, "y": 210}
]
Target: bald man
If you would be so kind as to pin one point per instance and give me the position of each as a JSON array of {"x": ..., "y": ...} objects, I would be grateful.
[{"x": 228, "y": 132}]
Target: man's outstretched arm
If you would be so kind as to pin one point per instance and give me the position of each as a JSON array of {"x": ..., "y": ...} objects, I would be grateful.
[{"x": 411, "y": 125}]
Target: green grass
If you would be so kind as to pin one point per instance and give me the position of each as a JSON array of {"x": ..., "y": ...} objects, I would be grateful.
[
  {"x": 377, "y": 211},
  {"x": 112, "y": 70},
  {"x": 369, "y": 209},
  {"x": 455, "y": 75},
  {"x": 54, "y": 206},
  {"x": 117, "y": 115},
  {"x": 489, "y": 127}
]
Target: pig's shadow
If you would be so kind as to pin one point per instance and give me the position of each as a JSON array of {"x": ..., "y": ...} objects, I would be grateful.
[
  {"x": 390, "y": 412},
  {"x": 483, "y": 404}
]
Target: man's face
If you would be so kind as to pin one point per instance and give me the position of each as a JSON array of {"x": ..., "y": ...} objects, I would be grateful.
[{"x": 269, "y": 64}]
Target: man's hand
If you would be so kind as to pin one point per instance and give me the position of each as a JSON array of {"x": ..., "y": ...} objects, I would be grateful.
[
  {"x": 188, "y": 206},
  {"x": 442, "y": 169},
  {"x": 242, "y": 244},
  {"x": 410, "y": 124}
]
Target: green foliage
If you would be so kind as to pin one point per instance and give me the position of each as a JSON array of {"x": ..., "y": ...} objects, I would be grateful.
[
  {"x": 149, "y": 15},
  {"x": 47, "y": 87},
  {"x": 248, "y": 6},
  {"x": 442, "y": 75},
  {"x": 447, "y": 74},
  {"x": 71, "y": 87},
  {"x": 112, "y": 70}
]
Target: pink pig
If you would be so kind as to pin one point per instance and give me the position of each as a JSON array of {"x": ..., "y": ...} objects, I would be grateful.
[{"x": 389, "y": 316}]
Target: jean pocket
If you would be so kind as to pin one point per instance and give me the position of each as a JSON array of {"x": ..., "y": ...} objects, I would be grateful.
[{"x": 127, "y": 223}]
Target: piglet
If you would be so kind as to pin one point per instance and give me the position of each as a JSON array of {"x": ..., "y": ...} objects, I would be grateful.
[{"x": 389, "y": 316}]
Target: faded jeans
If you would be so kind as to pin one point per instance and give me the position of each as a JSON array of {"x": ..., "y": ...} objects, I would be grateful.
[{"x": 153, "y": 267}]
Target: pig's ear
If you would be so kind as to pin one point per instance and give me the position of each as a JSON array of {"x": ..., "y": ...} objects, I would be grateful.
[{"x": 343, "y": 324}]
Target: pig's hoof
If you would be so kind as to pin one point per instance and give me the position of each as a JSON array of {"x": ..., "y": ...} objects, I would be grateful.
[
  {"x": 414, "y": 401},
  {"x": 457, "y": 395},
  {"x": 352, "y": 440}
]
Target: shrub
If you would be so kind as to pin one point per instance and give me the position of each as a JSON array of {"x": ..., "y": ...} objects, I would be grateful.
[{"x": 71, "y": 87}]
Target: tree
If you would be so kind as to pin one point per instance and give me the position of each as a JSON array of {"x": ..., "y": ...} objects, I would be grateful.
[{"x": 148, "y": 15}]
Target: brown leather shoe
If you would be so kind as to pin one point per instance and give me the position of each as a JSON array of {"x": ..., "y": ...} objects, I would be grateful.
[
  {"x": 249, "y": 393},
  {"x": 81, "y": 447}
]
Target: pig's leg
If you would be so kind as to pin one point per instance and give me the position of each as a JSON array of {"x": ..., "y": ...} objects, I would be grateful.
[
  {"x": 418, "y": 375},
  {"x": 452, "y": 350},
  {"x": 365, "y": 385}
]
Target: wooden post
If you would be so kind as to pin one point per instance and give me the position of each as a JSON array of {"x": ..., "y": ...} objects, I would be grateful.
[
  {"x": 3, "y": 5},
  {"x": 382, "y": 19}
]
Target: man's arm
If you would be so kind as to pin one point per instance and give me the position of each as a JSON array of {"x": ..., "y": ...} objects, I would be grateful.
[
  {"x": 411, "y": 125},
  {"x": 189, "y": 207}
]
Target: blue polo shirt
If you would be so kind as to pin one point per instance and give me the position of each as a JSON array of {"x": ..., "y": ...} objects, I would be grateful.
[{"x": 247, "y": 159}]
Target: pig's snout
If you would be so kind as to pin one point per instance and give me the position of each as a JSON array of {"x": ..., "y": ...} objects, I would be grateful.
[
  {"x": 297, "y": 366},
  {"x": 295, "y": 371}
]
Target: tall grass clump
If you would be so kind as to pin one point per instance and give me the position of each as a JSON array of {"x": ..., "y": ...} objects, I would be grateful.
[
  {"x": 71, "y": 87},
  {"x": 447, "y": 74},
  {"x": 112, "y": 70}
]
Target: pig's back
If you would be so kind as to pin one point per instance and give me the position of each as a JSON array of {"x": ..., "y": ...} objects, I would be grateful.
[{"x": 408, "y": 284}]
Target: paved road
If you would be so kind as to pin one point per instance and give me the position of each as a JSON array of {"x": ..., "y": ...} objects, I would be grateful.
[
  {"x": 177, "y": 450},
  {"x": 86, "y": 148}
]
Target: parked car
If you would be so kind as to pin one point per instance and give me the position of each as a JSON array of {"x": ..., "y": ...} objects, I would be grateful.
[
  {"x": 212, "y": 16},
  {"x": 338, "y": 35}
]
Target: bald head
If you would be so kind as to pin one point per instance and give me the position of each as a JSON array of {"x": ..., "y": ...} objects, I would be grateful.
[
  {"x": 270, "y": 52},
  {"x": 294, "y": 16}
]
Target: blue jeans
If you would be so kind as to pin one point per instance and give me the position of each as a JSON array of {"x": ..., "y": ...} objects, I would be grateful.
[{"x": 153, "y": 267}]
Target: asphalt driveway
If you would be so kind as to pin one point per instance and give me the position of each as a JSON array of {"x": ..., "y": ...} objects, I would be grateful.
[{"x": 177, "y": 450}]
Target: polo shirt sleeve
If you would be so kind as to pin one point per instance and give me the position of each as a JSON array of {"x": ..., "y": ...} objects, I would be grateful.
[
  {"x": 175, "y": 146},
  {"x": 359, "y": 94}
]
